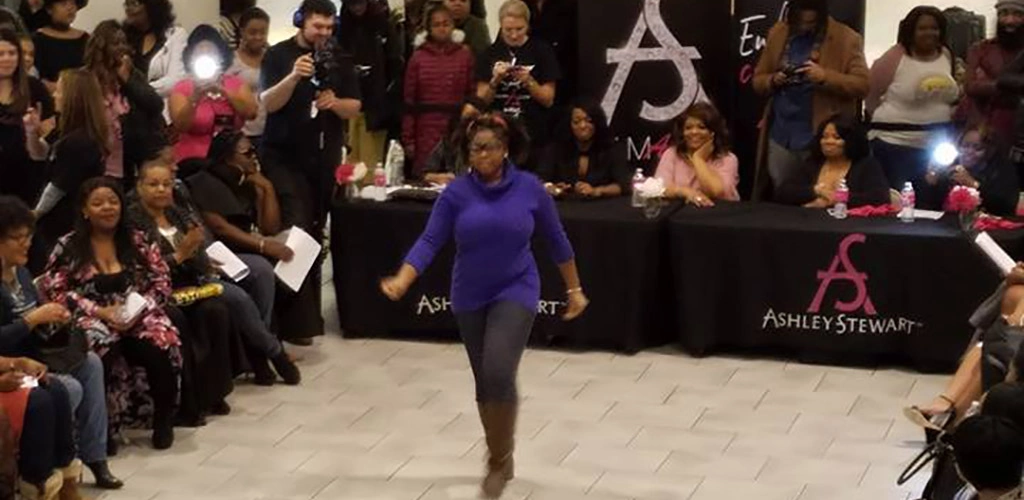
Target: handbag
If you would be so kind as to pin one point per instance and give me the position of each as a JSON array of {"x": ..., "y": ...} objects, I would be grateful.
[
  {"x": 999, "y": 345},
  {"x": 63, "y": 350}
]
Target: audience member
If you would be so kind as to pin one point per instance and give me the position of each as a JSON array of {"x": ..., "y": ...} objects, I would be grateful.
[
  {"x": 26, "y": 115},
  {"x": 94, "y": 270},
  {"x": 156, "y": 41},
  {"x": 812, "y": 67},
  {"x": 439, "y": 77},
  {"x": 518, "y": 73},
  {"x": 31, "y": 328},
  {"x": 557, "y": 23},
  {"x": 230, "y": 25},
  {"x": 477, "y": 33},
  {"x": 989, "y": 453},
  {"x": 80, "y": 153},
  {"x": 492, "y": 214},
  {"x": 913, "y": 90},
  {"x": 300, "y": 152},
  {"x": 28, "y": 55},
  {"x": 982, "y": 165},
  {"x": 448, "y": 159},
  {"x": 254, "y": 26},
  {"x": 841, "y": 155},
  {"x": 33, "y": 14},
  {"x": 585, "y": 158},
  {"x": 364, "y": 31},
  {"x": 984, "y": 102},
  {"x": 182, "y": 240},
  {"x": 58, "y": 45},
  {"x": 203, "y": 104},
  {"x": 240, "y": 206},
  {"x": 42, "y": 423},
  {"x": 204, "y": 324},
  {"x": 135, "y": 110},
  {"x": 699, "y": 167}
]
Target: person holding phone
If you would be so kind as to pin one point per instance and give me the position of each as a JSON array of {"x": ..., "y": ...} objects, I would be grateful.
[
  {"x": 493, "y": 214},
  {"x": 812, "y": 67},
  {"x": 34, "y": 328},
  {"x": 208, "y": 100},
  {"x": 518, "y": 76}
]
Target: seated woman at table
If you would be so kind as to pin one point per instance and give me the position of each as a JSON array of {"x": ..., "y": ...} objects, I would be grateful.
[
  {"x": 841, "y": 152},
  {"x": 585, "y": 159},
  {"x": 94, "y": 270},
  {"x": 699, "y": 168},
  {"x": 984, "y": 166},
  {"x": 182, "y": 237},
  {"x": 448, "y": 160}
]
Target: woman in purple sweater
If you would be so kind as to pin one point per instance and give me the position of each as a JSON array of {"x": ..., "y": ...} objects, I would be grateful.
[{"x": 493, "y": 213}]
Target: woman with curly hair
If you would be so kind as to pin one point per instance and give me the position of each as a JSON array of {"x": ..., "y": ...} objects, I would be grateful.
[{"x": 158, "y": 43}]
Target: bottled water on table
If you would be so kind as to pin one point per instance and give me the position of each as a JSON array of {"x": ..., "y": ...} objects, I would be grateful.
[
  {"x": 638, "y": 179},
  {"x": 908, "y": 201},
  {"x": 840, "y": 210}
]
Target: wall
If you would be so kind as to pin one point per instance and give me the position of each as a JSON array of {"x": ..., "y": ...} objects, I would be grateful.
[{"x": 190, "y": 12}]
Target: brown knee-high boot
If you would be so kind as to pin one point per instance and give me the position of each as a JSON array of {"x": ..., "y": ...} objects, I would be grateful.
[{"x": 499, "y": 421}]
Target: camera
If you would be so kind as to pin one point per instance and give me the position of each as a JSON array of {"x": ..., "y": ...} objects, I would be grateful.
[{"x": 325, "y": 63}]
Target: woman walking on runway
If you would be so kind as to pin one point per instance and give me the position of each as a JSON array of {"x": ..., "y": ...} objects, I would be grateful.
[{"x": 493, "y": 213}]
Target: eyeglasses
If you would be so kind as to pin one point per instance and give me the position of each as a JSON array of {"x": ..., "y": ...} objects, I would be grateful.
[{"x": 486, "y": 148}]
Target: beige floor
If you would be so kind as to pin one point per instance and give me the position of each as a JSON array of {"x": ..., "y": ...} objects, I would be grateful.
[{"x": 393, "y": 420}]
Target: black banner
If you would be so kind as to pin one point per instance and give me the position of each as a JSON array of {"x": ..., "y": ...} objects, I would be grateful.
[
  {"x": 751, "y": 22},
  {"x": 646, "y": 61}
]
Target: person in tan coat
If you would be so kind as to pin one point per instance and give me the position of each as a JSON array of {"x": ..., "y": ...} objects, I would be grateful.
[{"x": 812, "y": 68}]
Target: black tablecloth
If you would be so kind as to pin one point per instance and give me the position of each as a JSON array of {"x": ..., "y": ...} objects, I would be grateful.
[
  {"x": 747, "y": 277},
  {"x": 622, "y": 259}
]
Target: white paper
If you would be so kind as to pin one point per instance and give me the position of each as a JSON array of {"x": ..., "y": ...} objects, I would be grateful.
[
  {"x": 306, "y": 250},
  {"x": 228, "y": 263},
  {"x": 29, "y": 382},
  {"x": 133, "y": 307},
  {"x": 999, "y": 257},
  {"x": 928, "y": 214}
]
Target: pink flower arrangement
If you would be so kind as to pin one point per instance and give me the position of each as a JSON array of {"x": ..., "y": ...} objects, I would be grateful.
[
  {"x": 963, "y": 199},
  {"x": 349, "y": 174}
]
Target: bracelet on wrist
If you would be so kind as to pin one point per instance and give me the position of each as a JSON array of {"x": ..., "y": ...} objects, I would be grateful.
[
  {"x": 574, "y": 290},
  {"x": 263, "y": 244}
]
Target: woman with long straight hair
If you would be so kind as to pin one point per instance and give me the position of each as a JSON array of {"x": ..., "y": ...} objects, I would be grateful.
[{"x": 26, "y": 115}]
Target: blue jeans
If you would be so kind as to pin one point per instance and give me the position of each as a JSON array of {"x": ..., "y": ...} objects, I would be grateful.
[
  {"x": 249, "y": 319},
  {"x": 260, "y": 284},
  {"x": 89, "y": 402},
  {"x": 495, "y": 338}
]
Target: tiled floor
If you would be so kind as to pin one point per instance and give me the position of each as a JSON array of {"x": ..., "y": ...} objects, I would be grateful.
[{"x": 396, "y": 421}]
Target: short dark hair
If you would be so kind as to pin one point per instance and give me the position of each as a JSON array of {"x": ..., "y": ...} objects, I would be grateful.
[
  {"x": 320, "y": 7},
  {"x": 818, "y": 6},
  {"x": 253, "y": 14},
  {"x": 510, "y": 132},
  {"x": 852, "y": 132},
  {"x": 223, "y": 145},
  {"x": 161, "y": 16},
  {"x": 230, "y": 7},
  {"x": 207, "y": 33},
  {"x": 14, "y": 215},
  {"x": 989, "y": 452},
  {"x": 708, "y": 114},
  {"x": 908, "y": 26}
]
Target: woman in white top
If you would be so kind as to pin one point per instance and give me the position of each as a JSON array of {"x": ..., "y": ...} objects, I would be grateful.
[
  {"x": 253, "y": 28},
  {"x": 913, "y": 89},
  {"x": 157, "y": 42}
]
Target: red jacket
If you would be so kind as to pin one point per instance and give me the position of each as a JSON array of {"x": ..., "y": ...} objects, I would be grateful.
[
  {"x": 438, "y": 79},
  {"x": 985, "y": 102}
]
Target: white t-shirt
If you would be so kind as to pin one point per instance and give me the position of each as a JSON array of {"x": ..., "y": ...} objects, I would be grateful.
[
  {"x": 922, "y": 92},
  {"x": 251, "y": 76}
]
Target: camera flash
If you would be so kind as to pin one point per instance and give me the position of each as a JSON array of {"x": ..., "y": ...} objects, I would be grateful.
[
  {"x": 945, "y": 154},
  {"x": 205, "y": 67}
]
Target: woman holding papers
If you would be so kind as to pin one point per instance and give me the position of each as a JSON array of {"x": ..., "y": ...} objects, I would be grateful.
[
  {"x": 493, "y": 214},
  {"x": 99, "y": 272},
  {"x": 182, "y": 241}
]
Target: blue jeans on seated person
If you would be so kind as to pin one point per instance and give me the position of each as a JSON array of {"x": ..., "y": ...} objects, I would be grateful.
[
  {"x": 88, "y": 399},
  {"x": 252, "y": 304}
]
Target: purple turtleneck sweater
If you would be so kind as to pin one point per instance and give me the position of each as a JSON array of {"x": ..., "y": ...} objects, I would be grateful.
[{"x": 493, "y": 227}]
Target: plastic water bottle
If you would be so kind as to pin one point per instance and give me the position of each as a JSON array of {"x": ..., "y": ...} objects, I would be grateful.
[
  {"x": 395, "y": 164},
  {"x": 380, "y": 184},
  {"x": 638, "y": 179},
  {"x": 908, "y": 200},
  {"x": 839, "y": 211}
]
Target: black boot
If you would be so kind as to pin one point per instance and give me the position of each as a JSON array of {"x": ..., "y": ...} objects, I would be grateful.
[
  {"x": 286, "y": 368},
  {"x": 104, "y": 478},
  {"x": 163, "y": 430},
  {"x": 262, "y": 374},
  {"x": 221, "y": 408}
]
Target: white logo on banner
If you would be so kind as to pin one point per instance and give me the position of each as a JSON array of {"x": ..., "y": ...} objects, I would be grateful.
[{"x": 670, "y": 50}]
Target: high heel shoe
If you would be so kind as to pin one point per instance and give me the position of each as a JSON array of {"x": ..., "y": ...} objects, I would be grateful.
[
  {"x": 934, "y": 422},
  {"x": 286, "y": 369}
]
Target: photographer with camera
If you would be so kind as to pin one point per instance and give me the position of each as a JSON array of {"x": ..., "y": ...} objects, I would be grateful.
[
  {"x": 812, "y": 67},
  {"x": 309, "y": 91}
]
